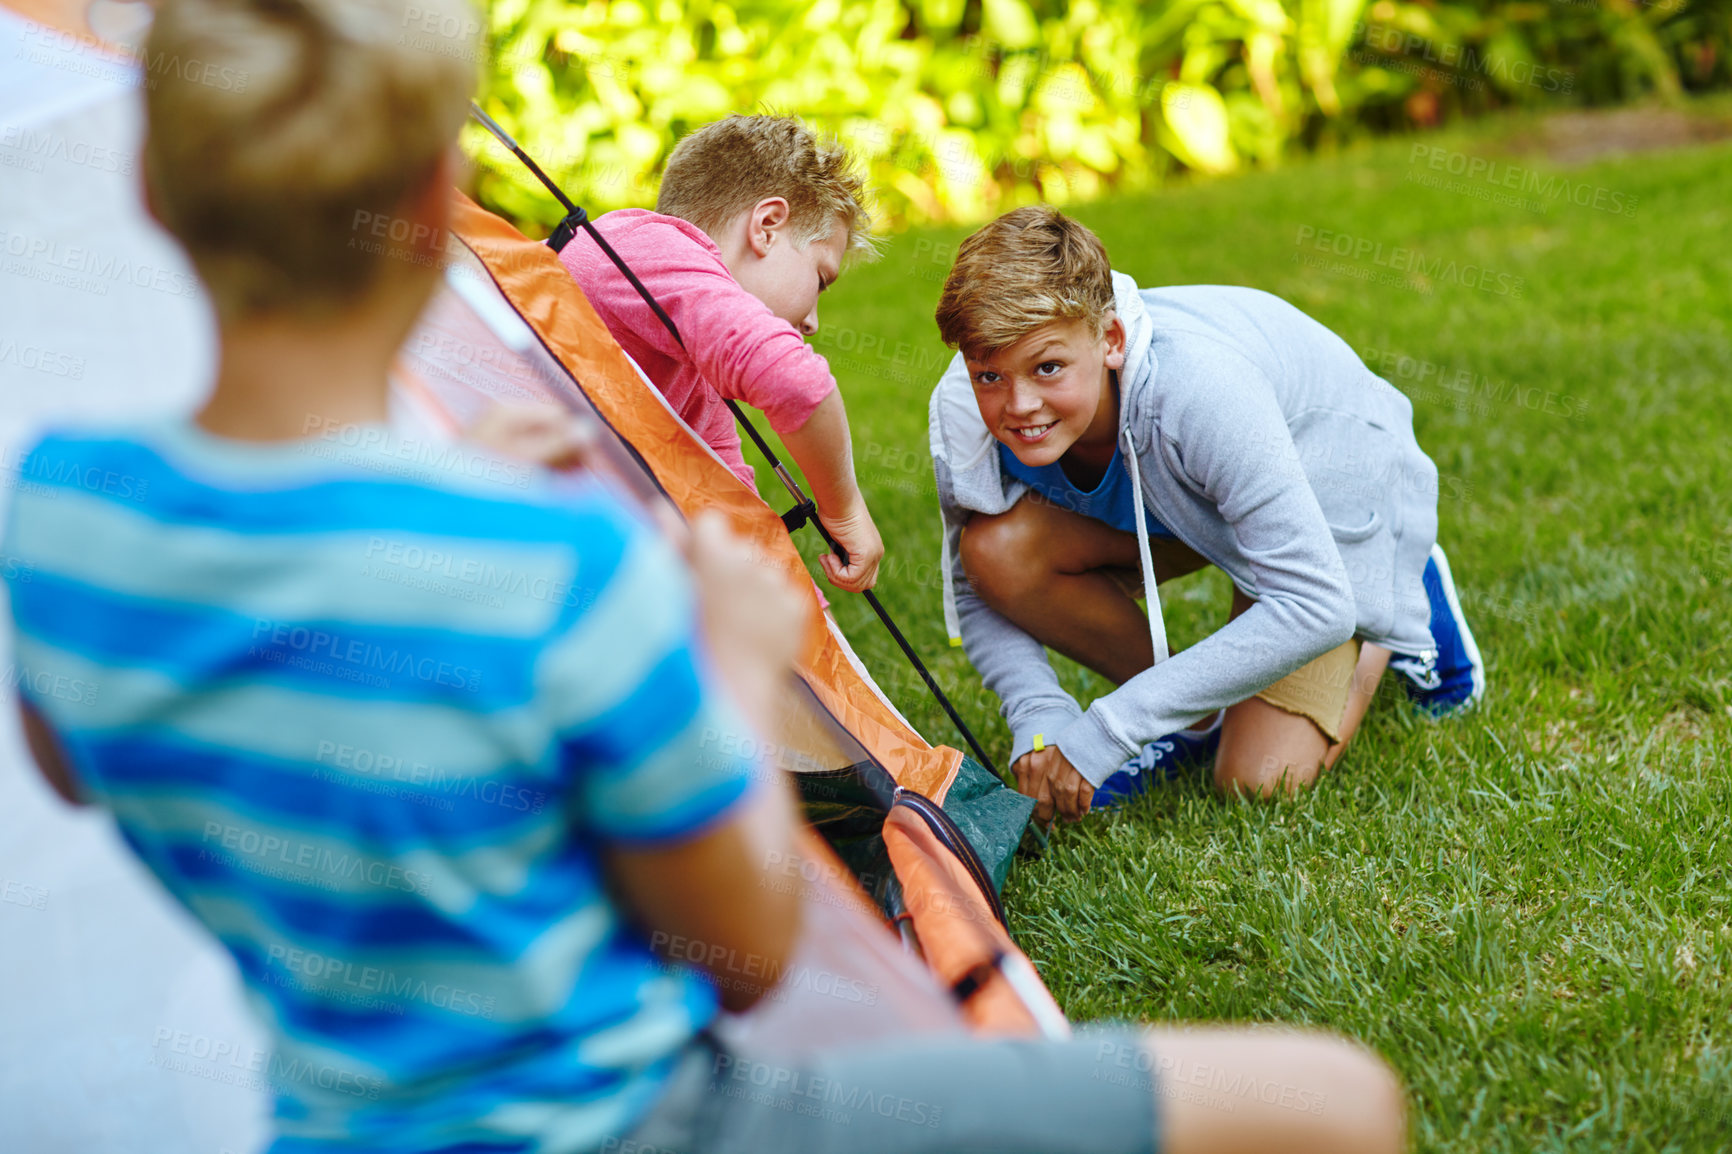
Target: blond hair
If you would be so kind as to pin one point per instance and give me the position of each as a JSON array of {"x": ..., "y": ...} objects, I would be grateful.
[
  {"x": 728, "y": 166},
  {"x": 277, "y": 129},
  {"x": 1028, "y": 268}
]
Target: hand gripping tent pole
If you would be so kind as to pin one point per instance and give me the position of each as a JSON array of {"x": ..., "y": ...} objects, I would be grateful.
[{"x": 805, "y": 510}]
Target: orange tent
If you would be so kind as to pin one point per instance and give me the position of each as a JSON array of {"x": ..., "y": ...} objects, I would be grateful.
[{"x": 513, "y": 325}]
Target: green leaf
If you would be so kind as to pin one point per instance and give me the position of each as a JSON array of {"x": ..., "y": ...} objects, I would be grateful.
[
  {"x": 1010, "y": 23},
  {"x": 1197, "y": 130}
]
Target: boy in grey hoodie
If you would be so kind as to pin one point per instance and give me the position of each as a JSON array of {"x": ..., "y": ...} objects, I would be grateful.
[{"x": 1257, "y": 442}]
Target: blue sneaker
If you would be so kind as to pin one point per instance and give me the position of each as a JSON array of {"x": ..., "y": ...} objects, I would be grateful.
[
  {"x": 1451, "y": 678},
  {"x": 1158, "y": 761}
]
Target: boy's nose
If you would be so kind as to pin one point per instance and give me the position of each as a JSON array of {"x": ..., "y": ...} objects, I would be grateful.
[
  {"x": 810, "y": 324},
  {"x": 1023, "y": 401}
]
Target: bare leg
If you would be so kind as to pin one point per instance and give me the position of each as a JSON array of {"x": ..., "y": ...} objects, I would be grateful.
[
  {"x": 1373, "y": 659},
  {"x": 1266, "y": 750},
  {"x": 1237, "y": 1091},
  {"x": 1035, "y": 565}
]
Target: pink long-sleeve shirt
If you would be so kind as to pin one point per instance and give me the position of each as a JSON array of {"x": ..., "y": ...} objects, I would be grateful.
[{"x": 735, "y": 347}]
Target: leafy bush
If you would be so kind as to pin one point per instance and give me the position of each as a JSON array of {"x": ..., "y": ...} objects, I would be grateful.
[{"x": 962, "y": 109}]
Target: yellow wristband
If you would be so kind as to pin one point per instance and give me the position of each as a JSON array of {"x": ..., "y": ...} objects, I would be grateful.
[{"x": 1039, "y": 743}]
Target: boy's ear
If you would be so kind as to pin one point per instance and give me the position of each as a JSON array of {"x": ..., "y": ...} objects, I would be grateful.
[
  {"x": 1115, "y": 338},
  {"x": 764, "y": 222}
]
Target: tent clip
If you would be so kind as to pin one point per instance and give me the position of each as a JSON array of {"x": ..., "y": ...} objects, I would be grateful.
[
  {"x": 797, "y": 517},
  {"x": 567, "y": 229},
  {"x": 971, "y": 983}
]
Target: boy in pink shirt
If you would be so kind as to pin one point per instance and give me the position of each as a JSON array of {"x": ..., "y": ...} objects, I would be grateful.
[{"x": 753, "y": 222}]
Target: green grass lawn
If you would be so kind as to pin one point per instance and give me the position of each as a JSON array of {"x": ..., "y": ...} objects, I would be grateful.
[{"x": 1526, "y": 910}]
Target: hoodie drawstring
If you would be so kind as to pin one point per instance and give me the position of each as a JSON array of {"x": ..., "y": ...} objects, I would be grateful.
[
  {"x": 952, "y": 620},
  {"x": 1157, "y": 623}
]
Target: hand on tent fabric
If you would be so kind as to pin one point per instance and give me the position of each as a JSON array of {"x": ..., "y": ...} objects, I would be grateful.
[
  {"x": 1048, "y": 776},
  {"x": 754, "y": 616},
  {"x": 545, "y": 435},
  {"x": 855, "y": 531}
]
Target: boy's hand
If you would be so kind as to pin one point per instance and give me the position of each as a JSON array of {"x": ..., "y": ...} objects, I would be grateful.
[
  {"x": 824, "y": 452},
  {"x": 855, "y": 532},
  {"x": 1054, "y": 783},
  {"x": 541, "y": 434},
  {"x": 753, "y": 616}
]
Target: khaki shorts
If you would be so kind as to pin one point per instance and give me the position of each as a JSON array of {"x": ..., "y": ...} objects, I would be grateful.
[{"x": 1317, "y": 690}]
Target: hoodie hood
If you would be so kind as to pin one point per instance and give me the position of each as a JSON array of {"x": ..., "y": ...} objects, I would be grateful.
[{"x": 960, "y": 438}]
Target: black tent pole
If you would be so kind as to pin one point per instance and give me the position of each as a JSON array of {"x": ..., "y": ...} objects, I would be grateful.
[{"x": 805, "y": 510}]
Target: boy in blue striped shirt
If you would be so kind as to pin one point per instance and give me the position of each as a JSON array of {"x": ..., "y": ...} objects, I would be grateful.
[{"x": 439, "y": 834}]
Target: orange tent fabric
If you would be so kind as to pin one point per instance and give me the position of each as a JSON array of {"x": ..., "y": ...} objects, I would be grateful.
[{"x": 544, "y": 295}]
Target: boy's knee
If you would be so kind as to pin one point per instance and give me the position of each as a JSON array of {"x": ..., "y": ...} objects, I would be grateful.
[
  {"x": 1386, "y": 1107},
  {"x": 1365, "y": 1101},
  {"x": 1000, "y": 558},
  {"x": 1262, "y": 1089},
  {"x": 1262, "y": 776}
]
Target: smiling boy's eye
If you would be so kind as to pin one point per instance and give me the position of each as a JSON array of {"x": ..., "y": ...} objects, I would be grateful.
[{"x": 1045, "y": 365}]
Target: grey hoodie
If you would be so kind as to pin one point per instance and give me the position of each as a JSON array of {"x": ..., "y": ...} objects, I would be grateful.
[{"x": 1262, "y": 442}]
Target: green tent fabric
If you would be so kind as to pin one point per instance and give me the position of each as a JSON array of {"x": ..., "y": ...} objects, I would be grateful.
[
  {"x": 992, "y": 815},
  {"x": 847, "y": 806}
]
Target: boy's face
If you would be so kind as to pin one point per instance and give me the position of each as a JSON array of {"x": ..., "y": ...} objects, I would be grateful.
[
  {"x": 784, "y": 276},
  {"x": 1044, "y": 393}
]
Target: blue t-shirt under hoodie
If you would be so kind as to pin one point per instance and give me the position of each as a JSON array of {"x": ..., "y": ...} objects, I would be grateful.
[{"x": 1111, "y": 501}]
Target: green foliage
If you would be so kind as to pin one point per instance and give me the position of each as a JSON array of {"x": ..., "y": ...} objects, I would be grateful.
[
  {"x": 962, "y": 109},
  {"x": 1417, "y": 64}
]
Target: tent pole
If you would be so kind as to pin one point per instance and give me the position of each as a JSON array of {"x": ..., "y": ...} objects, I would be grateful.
[{"x": 804, "y": 510}]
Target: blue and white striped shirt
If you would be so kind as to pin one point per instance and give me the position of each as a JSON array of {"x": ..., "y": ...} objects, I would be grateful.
[{"x": 371, "y": 712}]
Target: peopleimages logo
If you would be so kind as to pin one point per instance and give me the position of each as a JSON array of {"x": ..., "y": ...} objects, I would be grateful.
[
  {"x": 1431, "y": 381},
  {"x": 299, "y": 645},
  {"x": 292, "y": 857},
  {"x": 1521, "y": 182},
  {"x": 801, "y": 1091},
  {"x": 1399, "y": 259},
  {"x": 77, "y": 260},
  {"x": 314, "y": 972},
  {"x": 389, "y": 452},
  {"x": 728, "y": 965},
  {"x": 41, "y": 360},
  {"x": 58, "y": 49},
  {"x": 435, "y": 780},
  {"x": 36, "y": 147},
  {"x": 22, "y": 894},
  {"x": 220, "y": 1060},
  {"x": 43, "y": 684},
  {"x": 1504, "y": 68},
  {"x": 52, "y": 471},
  {"x": 385, "y": 557}
]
